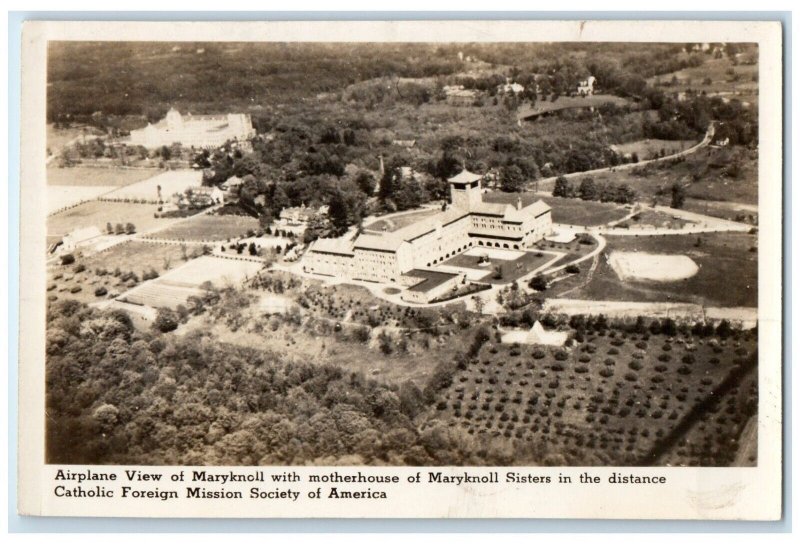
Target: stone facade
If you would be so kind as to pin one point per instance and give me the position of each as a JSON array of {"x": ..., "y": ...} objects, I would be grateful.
[
  {"x": 200, "y": 131},
  {"x": 468, "y": 222}
]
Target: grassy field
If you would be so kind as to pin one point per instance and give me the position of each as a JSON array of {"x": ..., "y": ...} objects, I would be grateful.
[
  {"x": 59, "y": 137},
  {"x": 209, "y": 227},
  {"x": 651, "y": 218},
  {"x": 568, "y": 102},
  {"x": 81, "y": 176},
  {"x": 138, "y": 257},
  {"x": 98, "y": 214},
  {"x": 171, "y": 182},
  {"x": 324, "y": 330},
  {"x": 739, "y": 85},
  {"x": 725, "y": 174},
  {"x": 613, "y": 399},
  {"x": 113, "y": 264},
  {"x": 392, "y": 224},
  {"x": 727, "y": 276},
  {"x": 571, "y": 211},
  {"x": 512, "y": 270},
  {"x": 650, "y": 149}
]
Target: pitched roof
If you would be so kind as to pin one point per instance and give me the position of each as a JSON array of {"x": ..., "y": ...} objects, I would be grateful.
[
  {"x": 342, "y": 246},
  {"x": 465, "y": 176}
]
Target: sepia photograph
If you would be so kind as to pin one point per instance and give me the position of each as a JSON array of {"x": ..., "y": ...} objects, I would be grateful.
[{"x": 402, "y": 254}]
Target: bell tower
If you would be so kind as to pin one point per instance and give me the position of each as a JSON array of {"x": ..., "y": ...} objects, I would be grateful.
[{"x": 465, "y": 190}]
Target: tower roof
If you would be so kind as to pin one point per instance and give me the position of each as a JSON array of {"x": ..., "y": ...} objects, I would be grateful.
[{"x": 465, "y": 176}]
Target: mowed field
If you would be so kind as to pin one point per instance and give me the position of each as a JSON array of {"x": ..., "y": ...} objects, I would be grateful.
[
  {"x": 84, "y": 176},
  {"x": 651, "y": 148},
  {"x": 209, "y": 227},
  {"x": 98, "y": 214},
  {"x": 570, "y": 211},
  {"x": 110, "y": 269},
  {"x": 740, "y": 85},
  {"x": 69, "y": 186},
  {"x": 138, "y": 257},
  {"x": 725, "y": 174},
  {"x": 177, "y": 285},
  {"x": 59, "y": 137},
  {"x": 568, "y": 102},
  {"x": 727, "y": 275},
  {"x": 615, "y": 399},
  {"x": 171, "y": 182}
]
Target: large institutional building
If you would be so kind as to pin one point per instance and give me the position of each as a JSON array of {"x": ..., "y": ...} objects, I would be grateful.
[
  {"x": 403, "y": 255},
  {"x": 199, "y": 131}
]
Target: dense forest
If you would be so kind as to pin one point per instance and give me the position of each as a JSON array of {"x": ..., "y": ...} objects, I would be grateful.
[
  {"x": 118, "y": 395},
  {"x": 328, "y": 114}
]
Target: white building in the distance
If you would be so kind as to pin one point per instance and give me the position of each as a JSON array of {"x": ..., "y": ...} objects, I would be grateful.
[
  {"x": 199, "y": 131},
  {"x": 403, "y": 255},
  {"x": 586, "y": 87}
]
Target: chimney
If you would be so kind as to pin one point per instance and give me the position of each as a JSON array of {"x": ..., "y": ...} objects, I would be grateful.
[{"x": 519, "y": 202}]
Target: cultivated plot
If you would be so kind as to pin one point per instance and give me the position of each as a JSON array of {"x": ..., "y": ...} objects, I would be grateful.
[{"x": 171, "y": 182}]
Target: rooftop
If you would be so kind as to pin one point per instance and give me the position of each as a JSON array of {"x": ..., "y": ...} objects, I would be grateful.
[
  {"x": 429, "y": 279},
  {"x": 465, "y": 176}
]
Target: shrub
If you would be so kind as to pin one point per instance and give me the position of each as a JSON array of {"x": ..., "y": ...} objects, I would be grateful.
[
  {"x": 67, "y": 259},
  {"x": 538, "y": 283},
  {"x": 539, "y": 353},
  {"x": 635, "y": 365},
  {"x": 79, "y": 268},
  {"x": 76, "y": 289},
  {"x": 664, "y": 358},
  {"x": 573, "y": 269},
  {"x": 100, "y": 291},
  {"x": 166, "y": 320},
  {"x": 561, "y": 355}
]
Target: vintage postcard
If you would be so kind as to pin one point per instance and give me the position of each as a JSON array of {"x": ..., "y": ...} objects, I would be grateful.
[{"x": 401, "y": 269}]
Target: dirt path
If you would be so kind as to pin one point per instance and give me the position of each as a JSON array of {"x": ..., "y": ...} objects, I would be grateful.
[
  {"x": 620, "y": 308},
  {"x": 748, "y": 444},
  {"x": 700, "y": 145}
]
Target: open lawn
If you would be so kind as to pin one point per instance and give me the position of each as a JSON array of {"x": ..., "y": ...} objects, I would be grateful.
[
  {"x": 99, "y": 214},
  {"x": 650, "y": 149},
  {"x": 725, "y": 174},
  {"x": 83, "y": 176},
  {"x": 170, "y": 182},
  {"x": 509, "y": 269},
  {"x": 740, "y": 84},
  {"x": 57, "y": 138},
  {"x": 614, "y": 399},
  {"x": 212, "y": 228},
  {"x": 175, "y": 286},
  {"x": 570, "y": 211},
  {"x": 727, "y": 274},
  {"x": 568, "y": 102},
  {"x": 139, "y": 257},
  {"x": 113, "y": 269}
]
